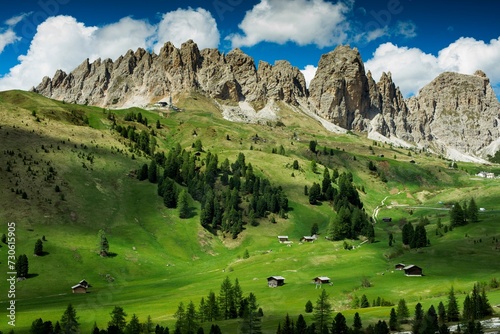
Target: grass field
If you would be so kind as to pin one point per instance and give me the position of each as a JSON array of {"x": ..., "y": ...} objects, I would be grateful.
[{"x": 160, "y": 260}]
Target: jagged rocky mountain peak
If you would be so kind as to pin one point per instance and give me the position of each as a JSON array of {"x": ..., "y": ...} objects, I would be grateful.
[{"x": 453, "y": 113}]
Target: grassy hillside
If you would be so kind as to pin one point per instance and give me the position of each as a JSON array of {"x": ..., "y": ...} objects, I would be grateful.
[{"x": 65, "y": 174}]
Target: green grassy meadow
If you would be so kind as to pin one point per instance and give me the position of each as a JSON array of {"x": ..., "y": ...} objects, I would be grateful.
[{"x": 160, "y": 260}]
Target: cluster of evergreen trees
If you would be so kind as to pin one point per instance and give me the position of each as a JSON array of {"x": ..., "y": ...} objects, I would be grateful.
[
  {"x": 219, "y": 188},
  {"x": 229, "y": 304},
  {"x": 415, "y": 237},
  {"x": 351, "y": 220},
  {"x": 432, "y": 321},
  {"x": 143, "y": 141},
  {"x": 117, "y": 324},
  {"x": 462, "y": 214}
]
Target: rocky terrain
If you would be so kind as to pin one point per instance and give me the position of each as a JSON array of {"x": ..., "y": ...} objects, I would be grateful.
[{"x": 455, "y": 115}]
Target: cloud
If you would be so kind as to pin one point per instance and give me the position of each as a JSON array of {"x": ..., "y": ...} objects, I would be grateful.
[
  {"x": 13, "y": 21},
  {"x": 61, "y": 42},
  {"x": 303, "y": 22},
  {"x": 184, "y": 24},
  {"x": 6, "y": 38},
  {"x": 411, "y": 68},
  {"x": 407, "y": 29},
  {"x": 309, "y": 72}
]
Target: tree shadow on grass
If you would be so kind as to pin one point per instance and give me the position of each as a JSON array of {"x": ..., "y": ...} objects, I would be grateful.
[{"x": 42, "y": 254}]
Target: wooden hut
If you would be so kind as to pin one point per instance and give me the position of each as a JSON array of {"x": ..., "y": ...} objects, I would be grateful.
[
  {"x": 275, "y": 281},
  {"x": 321, "y": 280},
  {"x": 282, "y": 238},
  {"x": 79, "y": 288},
  {"x": 413, "y": 270}
]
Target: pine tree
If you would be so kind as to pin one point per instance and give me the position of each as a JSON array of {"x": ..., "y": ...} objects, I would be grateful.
[
  {"x": 430, "y": 323},
  {"x": 314, "y": 193},
  {"x": 407, "y": 233},
  {"x": 251, "y": 323},
  {"x": 441, "y": 313},
  {"x": 418, "y": 318},
  {"x": 452, "y": 312},
  {"x": 457, "y": 215},
  {"x": 393, "y": 320},
  {"x": 357, "y": 324},
  {"x": 225, "y": 298},
  {"x": 402, "y": 311},
  {"x": 300, "y": 325},
  {"x": 183, "y": 203},
  {"x": 472, "y": 211},
  {"x": 134, "y": 326},
  {"x": 191, "y": 324},
  {"x": 69, "y": 321},
  {"x": 102, "y": 243},
  {"x": 339, "y": 324},
  {"x": 364, "y": 302},
  {"x": 153, "y": 172},
  {"x": 180, "y": 316},
  {"x": 212, "y": 307},
  {"x": 38, "y": 248},
  {"x": 118, "y": 318},
  {"x": 169, "y": 193},
  {"x": 143, "y": 173},
  {"x": 322, "y": 310},
  {"x": 22, "y": 266}
]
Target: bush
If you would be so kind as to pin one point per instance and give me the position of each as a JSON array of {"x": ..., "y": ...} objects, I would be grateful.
[{"x": 309, "y": 307}]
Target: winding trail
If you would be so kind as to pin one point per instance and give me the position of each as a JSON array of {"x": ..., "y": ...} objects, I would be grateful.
[{"x": 382, "y": 204}]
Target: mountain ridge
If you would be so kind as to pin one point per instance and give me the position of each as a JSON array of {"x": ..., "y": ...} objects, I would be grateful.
[{"x": 342, "y": 93}]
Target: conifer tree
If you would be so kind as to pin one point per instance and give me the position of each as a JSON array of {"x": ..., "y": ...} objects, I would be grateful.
[
  {"x": 22, "y": 266},
  {"x": 402, "y": 311},
  {"x": 393, "y": 320},
  {"x": 452, "y": 312},
  {"x": 118, "y": 318},
  {"x": 183, "y": 203},
  {"x": 69, "y": 321},
  {"x": 38, "y": 247},
  {"x": 472, "y": 211},
  {"x": 322, "y": 310}
]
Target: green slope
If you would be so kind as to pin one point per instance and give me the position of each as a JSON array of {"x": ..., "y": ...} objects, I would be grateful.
[{"x": 161, "y": 260}]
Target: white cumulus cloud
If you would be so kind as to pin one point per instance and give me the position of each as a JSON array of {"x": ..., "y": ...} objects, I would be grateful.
[
  {"x": 309, "y": 72},
  {"x": 184, "y": 24},
  {"x": 412, "y": 68},
  {"x": 61, "y": 42},
  {"x": 303, "y": 22}
]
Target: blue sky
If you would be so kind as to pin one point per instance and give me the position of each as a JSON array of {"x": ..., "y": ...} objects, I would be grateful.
[{"x": 413, "y": 39}]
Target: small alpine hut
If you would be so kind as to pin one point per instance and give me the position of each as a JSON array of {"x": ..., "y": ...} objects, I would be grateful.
[
  {"x": 282, "y": 238},
  {"x": 275, "y": 281},
  {"x": 81, "y": 287},
  {"x": 399, "y": 266},
  {"x": 413, "y": 270},
  {"x": 308, "y": 238},
  {"x": 387, "y": 219},
  {"x": 321, "y": 280}
]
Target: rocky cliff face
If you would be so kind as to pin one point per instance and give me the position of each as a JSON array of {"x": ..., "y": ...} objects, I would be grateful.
[
  {"x": 138, "y": 78},
  {"x": 454, "y": 113}
]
